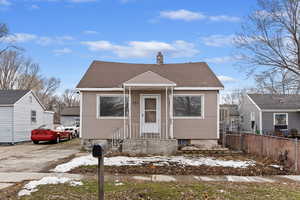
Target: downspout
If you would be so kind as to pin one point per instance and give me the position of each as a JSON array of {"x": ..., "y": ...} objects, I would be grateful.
[
  {"x": 124, "y": 112},
  {"x": 260, "y": 122},
  {"x": 218, "y": 114},
  {"x": 172, "y": 114},
  {"x": 167, "y": 131},
  {"x": 12, "y": 127},
  {"x": 130, "y": 113},
  {"x": 81, "y": 117}
]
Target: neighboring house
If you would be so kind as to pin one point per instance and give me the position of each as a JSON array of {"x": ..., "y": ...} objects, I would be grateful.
[
  {"x": 170, "y": 102},
  {"x": 266, "y": 113},
  {"x": 229, "y": 117},
  {"x": 70, "y": 116},
  {"x": 20, "y": 112}
]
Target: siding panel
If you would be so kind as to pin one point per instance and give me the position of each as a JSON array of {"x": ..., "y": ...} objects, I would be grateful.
[
  {"x": 22, "y": 117},
  {"x": 6, "y": 124}
]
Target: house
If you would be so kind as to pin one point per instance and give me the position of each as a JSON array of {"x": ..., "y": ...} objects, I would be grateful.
[
  {"x": 20, "y": 112},
  {"x": 229, "y": 117},
  {"x": 267, "y": 113},
  {"x": 165, "y": 104},
  {"x": 69, "y": 116}
]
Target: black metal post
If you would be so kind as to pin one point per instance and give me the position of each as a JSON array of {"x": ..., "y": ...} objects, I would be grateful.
[{"x": 101, "y": 178}]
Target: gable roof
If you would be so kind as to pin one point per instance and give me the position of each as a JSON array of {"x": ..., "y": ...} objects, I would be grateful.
[
  {"x": 112, "y": 74},
  {"x": 276, "y": 101},
  {"x": 148, "y": 78},
  {"x": 70, "y": 111},
  {"x": 10, "y": 97}
]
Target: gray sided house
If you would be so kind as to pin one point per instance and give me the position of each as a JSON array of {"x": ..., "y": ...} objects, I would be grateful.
[
  {"x": 20, "y": 112},
  {"x": 169, "y": 103},
  {"x": 229, "y": 117},
  {"x": 70, "y": 116},
  {"x": 266, "y": 113}
]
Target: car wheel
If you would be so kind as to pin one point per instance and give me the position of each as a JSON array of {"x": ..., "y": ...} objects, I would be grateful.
[
  {"x": 70, "y": 137},
  {"x": 35, "y": 142}
]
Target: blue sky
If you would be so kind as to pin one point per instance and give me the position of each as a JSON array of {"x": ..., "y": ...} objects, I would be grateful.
[{"x": 65, "y": 36}]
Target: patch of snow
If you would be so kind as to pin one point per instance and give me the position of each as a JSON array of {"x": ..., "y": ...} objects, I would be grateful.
[
  {"x": 277, "y": 166},
  {"x": 32, "y": 185},
  {"x": 119, "y": 184},
  {"x": 155, "y": 160}
]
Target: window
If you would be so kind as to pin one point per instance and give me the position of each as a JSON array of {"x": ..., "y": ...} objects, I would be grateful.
[
  {"x": 252, "y": 116},
  {"x": 33, "y": 116},
  {"x": 280, "y": 119},
  {"x": 188, "y": 105},
  {"x": 111, "y": 106}
]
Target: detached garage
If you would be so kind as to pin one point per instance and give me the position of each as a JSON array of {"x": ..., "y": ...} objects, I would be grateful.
[{"x": 20, "y": 112}]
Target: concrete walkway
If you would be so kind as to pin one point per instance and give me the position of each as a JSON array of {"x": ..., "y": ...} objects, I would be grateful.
[{"x": 242, "y": 179}]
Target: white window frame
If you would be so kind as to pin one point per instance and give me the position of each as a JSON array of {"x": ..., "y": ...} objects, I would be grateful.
[
  {"x": 98, "y": 105},
  {"x": 252, "y": 116},
  {"x": 191, "y": 117},
  {"x": 274, "y": 119},
  {"x": 33, "y": 122}
]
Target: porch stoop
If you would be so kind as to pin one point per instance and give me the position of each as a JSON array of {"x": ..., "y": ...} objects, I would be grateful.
[{"x": 150, "y": 146}]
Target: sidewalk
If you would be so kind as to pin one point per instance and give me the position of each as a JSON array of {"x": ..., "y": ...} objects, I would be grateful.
[
  {"x": 9, "y": 179},
  {"x": 241, "y": 179}
]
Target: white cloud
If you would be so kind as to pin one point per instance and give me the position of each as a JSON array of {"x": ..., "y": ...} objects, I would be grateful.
[
  {"x": 34, "y": 7},
  {"x": 218, "y": 40},
  {"x": 19, "y": 38},
  {"x": 224, "y": 18},
  {"x": 188, "y": 15},
  {"x": 182, "y": 14},
  {"x": 226, "y": 79},
  {"x": 5, "y": 3},
  {"x": 53, "y": 40},
  {"x": 218, "y": 60},
  {"x": 62, "y": 51},
  {"x": 90, "y": 32},
  {"x": 41, "y": 40},
  {"x": 141, "y": 49}
]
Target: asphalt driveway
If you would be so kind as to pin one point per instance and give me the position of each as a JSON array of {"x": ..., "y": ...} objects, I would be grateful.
[{"x": 30, "y": 157}]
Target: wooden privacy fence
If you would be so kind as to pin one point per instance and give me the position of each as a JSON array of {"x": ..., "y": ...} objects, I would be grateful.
[{"x": 285, "y": 150}]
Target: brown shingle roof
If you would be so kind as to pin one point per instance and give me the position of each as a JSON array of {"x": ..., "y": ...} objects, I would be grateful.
[
  {"x": 112, "y": 74},
  {"x": 70, "y": 111}
]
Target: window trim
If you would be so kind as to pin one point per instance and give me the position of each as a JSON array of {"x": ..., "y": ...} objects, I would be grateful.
[
  {"x": 98, "y": 106},
  {"x": 191, "y": 117},
  {"x": 33, "y": 122},
  {"x": 287, "y": 119}
]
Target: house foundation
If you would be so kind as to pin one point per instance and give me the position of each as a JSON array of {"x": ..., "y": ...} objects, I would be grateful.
[{"x": 143, "y": 146}]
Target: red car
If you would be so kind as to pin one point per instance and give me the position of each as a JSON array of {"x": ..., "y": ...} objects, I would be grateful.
[{"x": 42, "y": 134}]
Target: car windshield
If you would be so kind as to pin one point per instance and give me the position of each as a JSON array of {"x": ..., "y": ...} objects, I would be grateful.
[{"x": 42, "y": 127}]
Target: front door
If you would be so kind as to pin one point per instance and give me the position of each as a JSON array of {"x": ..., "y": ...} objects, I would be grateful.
[{"x": 150, "y": 114}]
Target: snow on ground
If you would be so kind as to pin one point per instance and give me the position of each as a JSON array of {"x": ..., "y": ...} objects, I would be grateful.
[
  {"x": 32, "y": 185},
  {"x": 156, "y": 160}
]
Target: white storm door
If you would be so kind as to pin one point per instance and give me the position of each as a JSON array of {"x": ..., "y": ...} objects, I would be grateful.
[{"x": 150, "y": 114}]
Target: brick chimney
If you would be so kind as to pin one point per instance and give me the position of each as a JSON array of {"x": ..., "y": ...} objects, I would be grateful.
[{"x": 159, "y": 58}]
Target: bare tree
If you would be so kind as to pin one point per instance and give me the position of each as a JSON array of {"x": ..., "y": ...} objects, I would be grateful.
[
  {"x": 279, "y": 81},
  {"x": 271, "y": 36},
  {"x": 10, "y": 68},
  {"x": 70, "y": 98},
  {"x": 30, "y": 78},
  {"x": 49, "y": 86},
  {"x": 234, "y": 97},
  {"x": 3, "y": 33}
]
